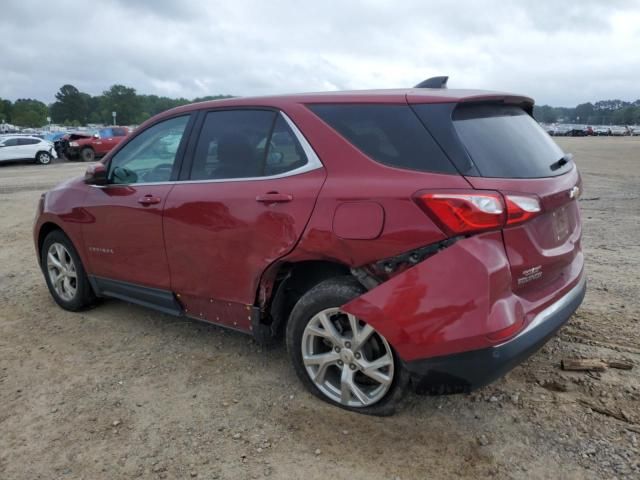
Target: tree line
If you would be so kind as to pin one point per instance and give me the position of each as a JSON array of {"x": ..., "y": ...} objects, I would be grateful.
[
  {"x": 603, "y": 112},
  {"x": 75, "y": 108}
]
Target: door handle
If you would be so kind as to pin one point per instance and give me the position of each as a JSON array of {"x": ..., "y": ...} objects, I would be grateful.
[
  {"x": 274, "y": 197},
  {"x": 149, "y": 200}
]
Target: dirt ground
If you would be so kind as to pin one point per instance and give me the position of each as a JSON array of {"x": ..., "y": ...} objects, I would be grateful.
[{"x": 124, "y": 392}]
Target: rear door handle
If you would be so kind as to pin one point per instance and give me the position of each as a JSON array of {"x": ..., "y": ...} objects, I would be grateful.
[
  {"x": 274, "y": 197},
  {"x": 149, "y": 200}
]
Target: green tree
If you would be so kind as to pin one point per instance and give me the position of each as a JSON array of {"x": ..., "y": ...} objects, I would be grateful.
[
  {"x": 70, "y": 105},
  {"x": 5, "y": 110},
  {"x": 584, "y": 113},
  {"x": 545, "y": 114},
  {"x": 122, "y": 100},
  {"x": 27, "y": 112}
]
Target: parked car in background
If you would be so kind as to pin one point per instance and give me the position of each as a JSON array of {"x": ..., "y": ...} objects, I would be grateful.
[
  {"x": 619, "y": 131},
  {"x": 87, "y": 147},
  {"x": 562, "y": 130},
  {"x": 577, "y": 131},
  {"x": 635, "y": 130},
  {"x": 21, "y": 147},
  {"x": 602, "y": 130}
]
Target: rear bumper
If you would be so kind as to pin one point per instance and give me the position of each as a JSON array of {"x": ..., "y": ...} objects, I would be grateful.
[{"x": 463, "y": 372}]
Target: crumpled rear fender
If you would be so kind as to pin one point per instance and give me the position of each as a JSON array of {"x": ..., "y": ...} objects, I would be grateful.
[{"x": 448, "y": 303}]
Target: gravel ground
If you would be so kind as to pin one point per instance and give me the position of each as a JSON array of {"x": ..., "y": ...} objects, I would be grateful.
[{"x": 124, "y": 392}]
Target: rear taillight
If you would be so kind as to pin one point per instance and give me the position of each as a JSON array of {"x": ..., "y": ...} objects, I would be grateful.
[
  {"x": 521, "y": 208},
  {"x": 459, "y": 213}
]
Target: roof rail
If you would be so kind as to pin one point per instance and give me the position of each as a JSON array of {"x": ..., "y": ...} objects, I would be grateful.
[{"x": 433, "y": 82}]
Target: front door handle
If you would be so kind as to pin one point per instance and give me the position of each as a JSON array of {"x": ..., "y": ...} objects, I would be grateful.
[
  {"x": 149, "y": 200},
  {"x": 274, "y": 197}
]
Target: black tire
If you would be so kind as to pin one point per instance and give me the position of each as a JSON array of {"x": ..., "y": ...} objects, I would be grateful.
[
  {"x": 44, "y": 158},
  {"x": 87, "y": 154},
  {"x": 329, "y": 294},
  {"x": 84, "y": 296}
]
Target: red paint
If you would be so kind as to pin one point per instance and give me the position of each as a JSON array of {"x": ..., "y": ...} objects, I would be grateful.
[
  {"x": 220, "y": 238},
  {"x": 358, "y": 220},
  {"x": 125, "y": 240},
  {"x": 454, "y": 300},
  {"x": 217, "y": 245}
]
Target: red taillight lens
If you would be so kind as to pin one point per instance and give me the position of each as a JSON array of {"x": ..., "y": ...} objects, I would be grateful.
[
  {"x": 521, "y": 208},
  {"x": 460, "y": 213}
]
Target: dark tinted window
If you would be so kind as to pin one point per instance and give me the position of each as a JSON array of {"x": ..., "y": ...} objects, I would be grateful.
[
  {"x": 285, "y": 153},
  {"x": 119, "y": 132},
  {"x": 150, "y": 156},
  {"x": 27, "y": 141},
  {"x": 390, "y": 134},
  {"x": 232, "y": 144},
  {"x": 504, "y": 141},
  {"x": 11, "y": 142}
]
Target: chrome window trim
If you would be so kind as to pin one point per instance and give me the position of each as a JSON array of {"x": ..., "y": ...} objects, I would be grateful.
[{"x": 313, "y": 163}]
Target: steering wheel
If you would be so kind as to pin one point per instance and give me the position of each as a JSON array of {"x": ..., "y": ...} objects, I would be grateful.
[{"x": 159, "y": 173}]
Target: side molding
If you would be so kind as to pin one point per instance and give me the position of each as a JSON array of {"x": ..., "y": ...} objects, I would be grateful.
[{"x": 161, "y": 300}]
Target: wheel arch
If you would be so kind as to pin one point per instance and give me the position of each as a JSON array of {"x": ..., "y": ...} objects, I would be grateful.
[
  {"x": 45, "y": 229},
  {"x": 42, "y": 151},
  {"x": 281, "y": 287}
]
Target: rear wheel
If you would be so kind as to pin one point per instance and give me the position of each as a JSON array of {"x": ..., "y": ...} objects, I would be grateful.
[
  {"x": 64, "y": 273},
  {"x": 87, "y": 154},
  {"x": 340, "y": 358},
  {"x": 43, "y": 158}
]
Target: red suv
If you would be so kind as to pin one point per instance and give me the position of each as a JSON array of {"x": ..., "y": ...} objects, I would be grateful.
[{"x": 420, "y": 236}]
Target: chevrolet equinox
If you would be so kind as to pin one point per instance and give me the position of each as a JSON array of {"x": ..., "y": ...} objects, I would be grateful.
[{"x": 423, "y": 237}]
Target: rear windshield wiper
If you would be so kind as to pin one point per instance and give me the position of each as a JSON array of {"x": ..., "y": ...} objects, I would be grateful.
[{"x": 563, "y": 161}]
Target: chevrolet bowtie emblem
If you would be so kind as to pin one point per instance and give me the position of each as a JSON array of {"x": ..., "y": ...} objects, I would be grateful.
[{"x": 574, "y": 192}]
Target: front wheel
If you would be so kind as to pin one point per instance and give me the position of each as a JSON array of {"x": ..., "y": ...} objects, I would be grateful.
[
  {"x": 43, "y": 158},
  {"x": 340, "y": 358},
  {"x": 87, "y": 154},
  {"x": 64, "y": 273}
]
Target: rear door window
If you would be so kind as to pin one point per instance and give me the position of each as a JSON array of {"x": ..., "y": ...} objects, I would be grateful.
[
  {"x": 504, "y": 141},
  {"x": 245, "y": 144},
  {"x": 389, "y": 134},
  {"x": 284, "y": 151}
]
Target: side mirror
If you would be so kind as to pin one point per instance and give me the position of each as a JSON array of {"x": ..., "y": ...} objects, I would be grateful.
[
  {"x": 96, "y": 135},
  {"x": 96, "y": 174}
]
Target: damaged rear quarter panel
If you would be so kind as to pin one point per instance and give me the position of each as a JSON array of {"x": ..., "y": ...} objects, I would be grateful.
[{"x": 446, "y": 304}]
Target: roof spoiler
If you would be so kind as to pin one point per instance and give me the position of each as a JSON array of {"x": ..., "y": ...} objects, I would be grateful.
[{"x": 433, "y": 82}]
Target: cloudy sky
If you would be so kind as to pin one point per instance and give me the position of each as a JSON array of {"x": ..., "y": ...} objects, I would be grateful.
[{"x": 559, "y": 52}]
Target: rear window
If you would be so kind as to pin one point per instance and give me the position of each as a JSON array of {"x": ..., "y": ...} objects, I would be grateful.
[
  {"x": 504, "y": 141},
  {"x": 389, "y": 134}
]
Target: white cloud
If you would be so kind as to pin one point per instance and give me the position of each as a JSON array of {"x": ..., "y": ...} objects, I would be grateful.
[{"x": 561, "y": 53}]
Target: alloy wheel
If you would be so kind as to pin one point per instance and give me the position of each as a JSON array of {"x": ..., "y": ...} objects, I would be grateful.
[
  {"x": 347, "y": 359},
  {"x": 62, "y": 272}
]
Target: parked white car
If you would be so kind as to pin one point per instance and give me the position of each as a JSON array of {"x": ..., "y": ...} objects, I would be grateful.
[{"x": 20, "y": 147}]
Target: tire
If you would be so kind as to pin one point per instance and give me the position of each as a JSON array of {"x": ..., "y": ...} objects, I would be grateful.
[
  {"x": 320, "y": 303},
  {"x": 43, "y": 158},
  {"x": 78, "y": 298},
  {"x": 87, "y": 154}
]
